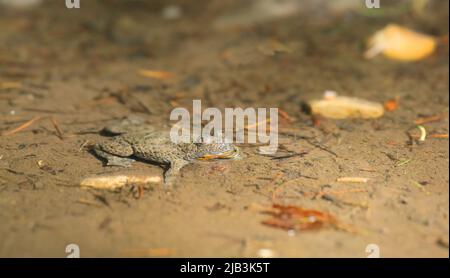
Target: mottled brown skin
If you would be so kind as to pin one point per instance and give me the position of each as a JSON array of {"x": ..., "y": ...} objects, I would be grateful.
[{"x": 146, "y": 143}]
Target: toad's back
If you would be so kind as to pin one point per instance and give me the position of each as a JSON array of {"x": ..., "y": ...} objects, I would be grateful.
[{"x": 156, "y": 146}]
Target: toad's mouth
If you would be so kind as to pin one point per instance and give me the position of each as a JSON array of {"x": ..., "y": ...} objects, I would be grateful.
[{"x": 230, "y": 154}]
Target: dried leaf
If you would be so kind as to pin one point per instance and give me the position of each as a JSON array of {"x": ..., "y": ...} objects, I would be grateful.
[
  {"x": 400, "y": 43},
  {"x": 117, "y": 181},
  {"x": 297, "y": 218},
  {"x": 392, "y": 104},
  {"x": 342, "y": 107}
]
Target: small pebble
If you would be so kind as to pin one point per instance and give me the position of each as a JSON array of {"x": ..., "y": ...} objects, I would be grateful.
[
  {"x": 329, "y": 94},
  {"x": 171, "y": 12}
]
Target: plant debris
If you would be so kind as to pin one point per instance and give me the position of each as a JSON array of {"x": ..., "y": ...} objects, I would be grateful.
[
  {"x": 58, "y": 130},
  {"x": 392, "y": 104},
  {"x": 423, "y": 133},
  {"x": 420, "y": 186},
  {"x": 400, "y": 43},
  {"x": 21, "y": 127},
  {"x": 439, "y": 135},
  {"x": 341, "y": 107},
  {"x": 300, "y": 219},
  {"x": 353, "y": 179},
  {"x": 430, "y": 119},
  {"x": 156, "y": 74},
  {"x": 117, "y": 181}
]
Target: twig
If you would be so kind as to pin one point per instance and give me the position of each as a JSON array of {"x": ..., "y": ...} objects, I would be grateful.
[
  {"x": 320, "y": 147},
  {"x": 434, "y": 118},
  {"x": 402, "y": 162},
  {"x": 340, "y": 192},
  {"x": 301, "y": 154},
  {"x": 438, "y": 135},
  {"x": 83, "y": 145},
  {"x": 353, "y": 179},
  {"x": 22, "y": 127},
  {"x": 162, "y": 75},
  {"x": 58, "y": 130},
  {"x": 285, "y": 116},
  {"x": 140, "y": 191},
  {"x": 421, "y": 187},
  {"x": 340, "y": 202},
  {"x": 89, "y": 203},
  {"x": 265, "y": 121}
]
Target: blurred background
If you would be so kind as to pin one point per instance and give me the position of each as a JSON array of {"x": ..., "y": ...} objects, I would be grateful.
[{"x": 65, "y": 73}]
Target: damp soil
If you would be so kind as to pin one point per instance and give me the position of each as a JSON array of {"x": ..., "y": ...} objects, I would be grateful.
[{"x": 74, "y": 71}]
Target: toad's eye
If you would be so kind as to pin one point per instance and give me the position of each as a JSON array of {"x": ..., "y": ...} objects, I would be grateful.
[{"x": 232, "y": 153}]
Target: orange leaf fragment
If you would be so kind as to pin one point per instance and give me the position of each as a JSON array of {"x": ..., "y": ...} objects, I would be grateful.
[
  {"x": 392, "y": 104},
  {"x": 284, "y": 116}
]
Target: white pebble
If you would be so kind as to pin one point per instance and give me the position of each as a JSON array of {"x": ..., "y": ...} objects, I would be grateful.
[
  {"x": 329, "y": 94},
  {"x": 171, "y": 12}
]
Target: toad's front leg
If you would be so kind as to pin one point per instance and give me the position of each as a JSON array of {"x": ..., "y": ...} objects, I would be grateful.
[{"x": 174, "y": 170}]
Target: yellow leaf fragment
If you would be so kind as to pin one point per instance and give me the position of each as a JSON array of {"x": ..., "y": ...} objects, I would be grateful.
[
  {"x": 400, "y": 43},
  {"x": 117, "y": 181}
]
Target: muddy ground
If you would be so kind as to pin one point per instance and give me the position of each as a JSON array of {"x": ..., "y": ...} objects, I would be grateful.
[{"x": 74, "y": 71}]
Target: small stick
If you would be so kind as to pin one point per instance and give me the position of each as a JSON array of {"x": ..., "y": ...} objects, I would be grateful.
[
  {"x": 301, "y": 154},
  {"x": 266, "y": 121},
  {"x": 437, "y": 135},
  {"x": 402, "y": 162},
  {"x": 340, "y": 192},
  {"x": 162, "y": 75},
  {"x": 83, "y": 145},
  {"x": 22, "y": 127},
  {"x": 421, "y": 187},
  {"x": 140, "y": 191},
  {"x": 434, "y": 118},
  {"x": 58, "y": 130},
  {"x": 321, "y": 148},
  {"x": 434, "y": 135},
  {"x": 353, "y": 179},
  {"x": 284, "y": 115}
]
